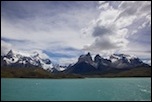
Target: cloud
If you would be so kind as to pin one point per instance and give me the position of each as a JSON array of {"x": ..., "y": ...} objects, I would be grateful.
[
  {"x": 101, "y": 44},
  {"x": 5, "y": 47},
  {"x": 67, "y": 61},
  {"x": 134, "y": 8},
  {"x": 149, "y": 62},
  {"x": 118, "y": 26},
  {"x": 100, "y": 31},
  {"x": 46, "y": 25},
  {"x": 145, "y": 56},
  {"x": 72, "y": 28}
]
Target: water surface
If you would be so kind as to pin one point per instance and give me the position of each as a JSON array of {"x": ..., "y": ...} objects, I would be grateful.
[{"x": 93, "y": 89}]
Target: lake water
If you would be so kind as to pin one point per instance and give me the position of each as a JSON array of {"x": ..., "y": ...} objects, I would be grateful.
[{"x": 88, "y": 89}]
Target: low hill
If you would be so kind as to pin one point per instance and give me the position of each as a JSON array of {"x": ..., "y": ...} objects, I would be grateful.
[
  {"x": 134, "y": 72},
  {"x": 9, "y": 72}
]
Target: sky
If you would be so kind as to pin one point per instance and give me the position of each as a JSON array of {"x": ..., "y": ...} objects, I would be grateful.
[{"x": 64, "y": 30}]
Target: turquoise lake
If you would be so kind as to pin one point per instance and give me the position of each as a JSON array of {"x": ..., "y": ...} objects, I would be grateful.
[{"x": 88, "y": 89}]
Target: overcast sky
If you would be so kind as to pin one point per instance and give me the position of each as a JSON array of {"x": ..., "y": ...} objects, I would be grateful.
[{"x": 66, "y": 29}]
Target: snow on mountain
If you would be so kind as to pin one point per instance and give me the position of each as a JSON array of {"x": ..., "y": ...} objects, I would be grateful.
[
  {"x": 119, "y": 61},
  {"x": 124, "y": 60},
  {"x": 87, "y": 59},
  {"x": 100, "y": 60},
  {"x": 59, "y": 68},
  {"x": 120, "y": 56},
  {"x": 15, "y": 57},
  {"x": 38, "y": 59}
]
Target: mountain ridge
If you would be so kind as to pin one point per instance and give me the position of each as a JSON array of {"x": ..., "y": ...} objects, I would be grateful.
[
  {"x": 85, "y": 64},
  {"x": 116, "y": 61}
]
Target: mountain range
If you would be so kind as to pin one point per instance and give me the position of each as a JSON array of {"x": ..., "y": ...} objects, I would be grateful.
[
  {"x": 85, "y": 64},
  {"x": 26, "y": 60}
]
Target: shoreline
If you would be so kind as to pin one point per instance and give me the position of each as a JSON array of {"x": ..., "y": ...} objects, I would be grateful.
[{"x": 79, "y": 77}]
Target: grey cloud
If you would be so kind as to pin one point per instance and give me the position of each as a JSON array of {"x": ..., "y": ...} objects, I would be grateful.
[
  {"x": 100, "y": 30},
  {"x": 102, "y": 35},
  {"x": 115, "y": 34},
  {"x": 134, "y": 8},
  {"x": 144, "y": 51},
  {"x": 146, "y": 7},
  {"x": 102, "y": 43},
  {"x": 5, "y": 47}
]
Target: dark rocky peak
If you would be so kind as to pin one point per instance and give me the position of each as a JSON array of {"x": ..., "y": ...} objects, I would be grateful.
[
  {"x": 97, "y": 58},
  {"x": 10, "y": 53},
  {"x": 85, "y": 58},
  {"x": 88, "y": 54}
]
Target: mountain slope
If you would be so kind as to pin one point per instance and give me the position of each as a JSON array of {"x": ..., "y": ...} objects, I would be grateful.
[
  {"x": 117, "y": 63},
  {"x": 24, "y": 59},
  {"x": 9, "y": 72},
  {"x": 80, "y": 68},
  {"x": 85, "y": 64},
  {"x": 125, "y": 61},
  {"x": 134, "y": 72}
]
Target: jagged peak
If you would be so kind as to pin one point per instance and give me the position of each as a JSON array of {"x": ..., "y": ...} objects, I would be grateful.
[
  {"x": 88, "y": 54},
  {"x": 121, "y": 56},
  {"x": 97, "y": 58},
  {"x": 10, "y": 52},
  {"x": 85, "y": 58}
]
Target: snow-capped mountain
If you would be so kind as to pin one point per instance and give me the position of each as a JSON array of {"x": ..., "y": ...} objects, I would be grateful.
[
  {"x": 101, "y": 61},
  {"x": 23, "y": 59},
  {"x": 87, "y": 59},
  {"x": 125, "y": 61},
  {"x": 85, "y": 64},
  {"x": 114, "y": 61},
  {"x": 59, "y": 67}
]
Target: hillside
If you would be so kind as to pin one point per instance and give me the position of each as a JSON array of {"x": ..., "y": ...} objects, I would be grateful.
[
  {"x": 9, "y": 72},
  {"x": 135, "y": 72},
  {"x": 23, "y": 65}
]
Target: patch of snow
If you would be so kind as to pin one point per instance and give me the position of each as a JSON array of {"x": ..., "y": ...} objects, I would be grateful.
[
  {"x": 61, "y": 69},
  {"x": 113, "y": 60},
  {"x": 24, "y": 62},
  {"x": 23, "y": 53},
  {"x": 32, "y": 57}
]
